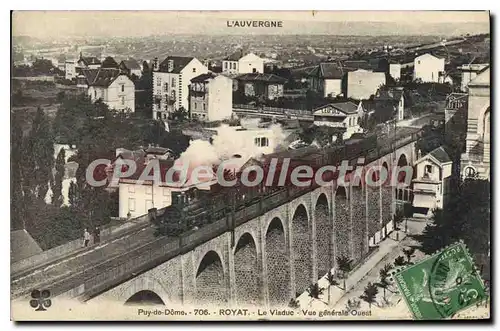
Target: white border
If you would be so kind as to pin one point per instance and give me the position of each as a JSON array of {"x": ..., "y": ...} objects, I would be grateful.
[{"x": 191, "y": 5}]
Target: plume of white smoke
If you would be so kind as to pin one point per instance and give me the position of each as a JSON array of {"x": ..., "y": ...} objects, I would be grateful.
[{"x": 230, "y": 143}]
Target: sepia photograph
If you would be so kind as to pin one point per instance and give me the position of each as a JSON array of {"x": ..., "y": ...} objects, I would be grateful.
[{"x": 250, "y": 165}]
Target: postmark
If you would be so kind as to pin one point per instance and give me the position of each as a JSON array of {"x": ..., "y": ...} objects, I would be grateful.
[{"x": 441, "y": 285}]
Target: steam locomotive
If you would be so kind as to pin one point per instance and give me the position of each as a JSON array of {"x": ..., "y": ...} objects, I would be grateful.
[{"x": 195, "y": 209}]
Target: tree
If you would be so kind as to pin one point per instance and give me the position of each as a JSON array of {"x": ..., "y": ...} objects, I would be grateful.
[
  {"x": 399, "y": 261},
  {"x": 409, "y": 254},
  {"x": 294, "y": 304},
  {"x": 73, "y": 195},
  {"x": 370, "y": 294},
  {"x": 314, "y": 291},
  {"x": 384, "y": 278},
  {"x": 180, "y": 114},
  {"x": 465, "y": 216},
  {"x": 332, "y": 282},
  {"x": 345, "y": 265},
  {"x": 145, "y": 67},
  {"x": 58, "y": 178},
  {"x": 17, "y": 200},
  {"x": 40, "y": 155},
  {"x": 353, "y": 304}
]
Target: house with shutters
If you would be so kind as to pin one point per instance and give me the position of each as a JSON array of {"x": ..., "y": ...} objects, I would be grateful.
[
  {"x": 111, "y": 86},
  {"x": 428, "y": 68},
  {"x": 238, "y": 63},
  {"x": 265, "y": 86},
  {"x": 131, "y": 67},
  {"x": 327, "y": 79},
  {"x": 346, "y": 116},
  {"x": 171, "y": 80},
  {"x": 88, "y": 62},
  {"x": 211, "y": 97},
  {"x": 431, "y": 184}
]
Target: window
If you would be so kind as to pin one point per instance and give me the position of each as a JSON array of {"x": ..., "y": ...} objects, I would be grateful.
[
  {"x": 427, "y": 170},
  {"x": 164, "y": 116},
  {"x": 123, "y": 87},
  {"x": 123, "y": 101},
  {"x": 195, "y": 105},
  {"x": 418, "y": 62},
  {"x": 95, "y": 94},
  {"x": 173, "y": 81},
  {"x": 261, "y": 141},
  {"x": 254, "y": 70},
  {"x": 225, "y": 65},
  {"x": 149, "y": 190},
  {"x": 194, "y": 69},
  {"x": 131, "y": 204},
  {"x": 158, "y": 81},
  {"x": 131, "y": 189},
  {"x": 203, "y": 106},
  {"x": 158, "y": 115},
  {"x": 469, "y": 172},
  {"x": 165, "y": 87}
]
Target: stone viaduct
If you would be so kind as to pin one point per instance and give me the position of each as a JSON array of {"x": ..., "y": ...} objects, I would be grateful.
[{"x": 270, "y": 258}]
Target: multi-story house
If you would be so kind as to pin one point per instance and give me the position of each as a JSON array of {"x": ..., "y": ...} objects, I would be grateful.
[
  {"x": 327, "y": 79},
  {"x": 476, "y": 159},
  {"x": 469, "y": 72},
  {"x": 109, "y": 63},
  {"x": 343, "y": 115},
  {"x": 131, "y": 67},
  {"x": 361, "y": 84},
  {"x": 237, "y": 63},
  {"x": 392, "y": 96},
  {"x": 211, "y": 97},
  {"x": 70, "y": 68},
  {"x": 171, "y": 80},
  {"x": 88, "y": 62},
  {"x": 431, "y": 184},
  {"x": 136, "y": 197},
  {"x": 111, "y": 86},
  {"x": 266, "y": 86},
  {"x": 428, "y": 69}
]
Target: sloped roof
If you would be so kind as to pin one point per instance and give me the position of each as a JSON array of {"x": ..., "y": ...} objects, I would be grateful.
[
  {"x": 427, "y": 55},
  {"x": 131, "y": 64},
  {"x": 337, "y": 109},
  {"x": 268, "y": 78},
  {"x": 22, "y": 245},
  {"x": 235, "y": 56},
  {"x": 100, "y": 77},
  {"x": 88, "y": 60},
  {"x": 179, "y": 62},
  {"x": 357, "y": 64},
  {"x": 482, "y": 79},
  {"x": 331, "y": 71},
  {"x": 440, "y": 155},
  {"x": 203, "y": 77},
  {"x": 109, "y": 63}
]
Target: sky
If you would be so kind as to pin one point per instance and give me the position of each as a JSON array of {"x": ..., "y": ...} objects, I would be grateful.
[{"x": 58, "y": 24}]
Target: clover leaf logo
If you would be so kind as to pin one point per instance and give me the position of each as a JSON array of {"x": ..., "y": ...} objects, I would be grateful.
[{"x": 40, "y": 300}]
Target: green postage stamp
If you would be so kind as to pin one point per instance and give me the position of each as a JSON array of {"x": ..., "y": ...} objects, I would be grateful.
[{"x": 441, "y": 285}]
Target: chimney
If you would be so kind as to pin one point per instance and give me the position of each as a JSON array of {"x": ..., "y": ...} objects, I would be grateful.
[{"x": 155, "y": 64}]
